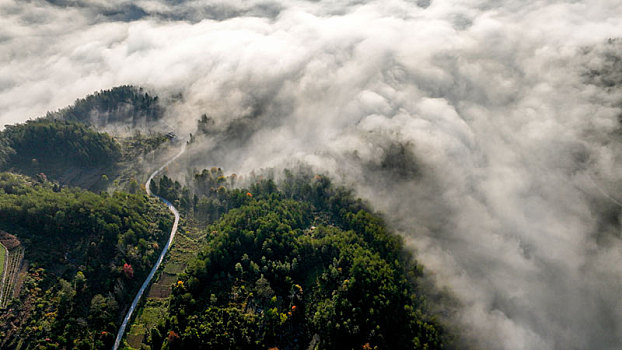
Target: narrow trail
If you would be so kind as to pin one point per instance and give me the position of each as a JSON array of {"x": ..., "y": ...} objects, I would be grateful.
[{"x": 142, "y": 289}]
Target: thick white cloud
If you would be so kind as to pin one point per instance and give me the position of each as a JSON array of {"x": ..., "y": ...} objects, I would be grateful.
[{"x": 477, "y": 126}]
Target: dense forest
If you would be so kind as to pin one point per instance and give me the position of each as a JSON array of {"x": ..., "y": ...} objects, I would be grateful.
[
  {"x": 297, "y": 265},
  {"x": 78, "y": 146},
  {"x": 48, "y": 145},
  {"x": 87, "y": 255},
  {"x": 126, "y": 105}
]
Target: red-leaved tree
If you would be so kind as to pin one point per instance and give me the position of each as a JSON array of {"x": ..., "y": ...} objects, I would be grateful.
[{"x": 128, "y": 271}]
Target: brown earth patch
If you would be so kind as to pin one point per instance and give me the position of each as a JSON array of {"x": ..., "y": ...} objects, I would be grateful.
[{"x": 8, "y": 240}]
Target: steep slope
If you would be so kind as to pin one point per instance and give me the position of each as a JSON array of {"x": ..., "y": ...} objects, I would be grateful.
[
  {"x": 297, "y": 265},
  {"x": 124, "y": 107},
  {"x": 88, "y": 254}
]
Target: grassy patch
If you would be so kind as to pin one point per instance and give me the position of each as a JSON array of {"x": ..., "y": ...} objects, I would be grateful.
[
  {"x": 147, "y": 318},
  {"x": 174, "y": 268}
]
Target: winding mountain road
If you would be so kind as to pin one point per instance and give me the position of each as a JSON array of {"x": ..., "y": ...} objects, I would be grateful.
[{"x": 142, "y": 289}]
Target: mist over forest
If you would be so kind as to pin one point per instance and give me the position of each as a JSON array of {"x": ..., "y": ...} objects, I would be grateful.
[{"x": 487, "y": 133}]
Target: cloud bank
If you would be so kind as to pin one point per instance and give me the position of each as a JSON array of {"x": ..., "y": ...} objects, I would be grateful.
[{"x": 487, "y": 131}]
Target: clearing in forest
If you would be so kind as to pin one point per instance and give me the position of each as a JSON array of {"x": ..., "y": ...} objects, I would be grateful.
[{"x": 155, "y": 307}]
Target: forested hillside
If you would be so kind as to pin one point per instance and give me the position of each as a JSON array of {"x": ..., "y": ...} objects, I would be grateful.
[
  {"x": 85, "y": 254},
  {"x": 99, "y": 138},
  {"x": 48, "y": 145},
  {"x": 293, "y": 263},
  {"x": 297, "y": 265},
  {"x": 127, "y": 106},
  {"x": 88, "y": 253}
]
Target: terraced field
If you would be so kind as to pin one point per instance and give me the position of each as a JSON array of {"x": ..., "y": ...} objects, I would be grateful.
[
  {"x": 3, "y": 254},
  {"x": 12, "y": 263}
]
